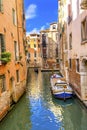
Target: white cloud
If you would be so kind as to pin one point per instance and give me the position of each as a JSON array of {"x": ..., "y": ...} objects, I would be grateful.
[
  {"x": 35, "y": 30},
  {"x": 31, "y": 11},
  {"x": 43, "y": 27}
]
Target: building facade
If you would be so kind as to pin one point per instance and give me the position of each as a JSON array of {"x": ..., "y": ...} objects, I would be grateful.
[
  {"x": 12, "y": 53},
  {"x": 34, "y": 51},
  {"x": 62, "y": 38},
  {"x": 49, "y": 46},
  {"x": 76, "y": 34}
]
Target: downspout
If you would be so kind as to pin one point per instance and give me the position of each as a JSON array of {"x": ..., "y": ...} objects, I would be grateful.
[{"x": 17, "y": 26}]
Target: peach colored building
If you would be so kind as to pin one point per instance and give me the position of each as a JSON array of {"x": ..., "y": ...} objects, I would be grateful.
[
  {"x": 12, "y": 55},
  {"x": 34, "y": 51}
]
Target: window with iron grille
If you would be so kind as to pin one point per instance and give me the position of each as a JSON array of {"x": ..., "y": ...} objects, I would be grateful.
[
  {"x": 84, "y": 29},
  {"x": 2, "y": 83},
  {"x": 1, "y": 5}
]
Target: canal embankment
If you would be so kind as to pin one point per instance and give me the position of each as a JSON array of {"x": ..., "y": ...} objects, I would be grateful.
[{"x": 8, "y": 98}]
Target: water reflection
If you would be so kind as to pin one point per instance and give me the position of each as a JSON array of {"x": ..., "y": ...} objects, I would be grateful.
[
  {"x": 38, "y": 110},
  {"x": 49, "y": 113},
  {"x": 18, "y": 118}
]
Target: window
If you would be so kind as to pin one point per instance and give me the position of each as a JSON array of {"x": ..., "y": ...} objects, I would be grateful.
[
  {"x": 16, "y": 51},
  {"x": 2, "y": 83},
  {"x": 14, "y": 16},
  {"x": 34, "y": 45},
  {"x": 1, "y": 5},
  {"x": 34, "y": 40},
  {"x": 2, "y": 43},
  {"x": 84, "y": 29},
  {"x": 38, "y": 45},
  {"x": 54, "y": 26},
  {"x": 70, "y": 41},
  {"x": 77, "y": 65},
  {"x": 70, "y": 63},
  {"x": 29, "y": 46},
  {"x": 17, "y": 75},
  {"x": 35, "y": 54},
  {"x": 43, "y": 40},
  {"x": 29, "y": 55},
  {"x": 69, "y": 12},
  {"x": 38, "y": 40}
]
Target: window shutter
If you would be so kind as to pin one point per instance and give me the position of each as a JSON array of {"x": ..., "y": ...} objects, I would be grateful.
[
  {"x": 2, "y": 43},
  {"x": 1, "y": 5},
  {"x": 86, "y": 28},
  {"x": 81, "y": 32}
]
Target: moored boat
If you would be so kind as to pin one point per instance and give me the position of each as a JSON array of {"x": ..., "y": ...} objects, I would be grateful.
[{"x": 60, "y": 88}]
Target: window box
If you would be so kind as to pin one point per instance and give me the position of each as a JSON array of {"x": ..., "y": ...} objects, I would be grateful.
[{"x": 5, "y": 57}]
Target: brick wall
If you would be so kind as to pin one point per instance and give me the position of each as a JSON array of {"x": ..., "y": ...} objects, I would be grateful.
[{"x": 74, "y": 77}]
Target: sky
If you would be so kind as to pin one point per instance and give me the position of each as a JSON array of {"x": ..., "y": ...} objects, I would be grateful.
[{"x": 39, "y": 14}]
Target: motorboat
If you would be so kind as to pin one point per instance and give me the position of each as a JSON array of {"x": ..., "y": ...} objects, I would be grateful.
[{"x": 60, "y": 88}]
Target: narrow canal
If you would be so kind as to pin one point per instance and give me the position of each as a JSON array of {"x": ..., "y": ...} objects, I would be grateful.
[{"x": 38, "y": 110}]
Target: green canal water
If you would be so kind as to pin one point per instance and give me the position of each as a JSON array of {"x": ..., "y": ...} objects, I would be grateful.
[{"x": 38, "y": 110}]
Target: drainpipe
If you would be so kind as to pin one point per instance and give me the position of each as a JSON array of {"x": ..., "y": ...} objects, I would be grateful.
[{"x": 17, "y": 26}]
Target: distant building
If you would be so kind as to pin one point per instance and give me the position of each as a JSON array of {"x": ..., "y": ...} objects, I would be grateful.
[
  {"x": 34, "y": 51},
  {"x": 12, "y": 56},
  {"x": 49, "y": 46}
]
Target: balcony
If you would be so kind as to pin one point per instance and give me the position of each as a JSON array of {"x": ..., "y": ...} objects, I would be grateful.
[{"x": 84, "y": 4}]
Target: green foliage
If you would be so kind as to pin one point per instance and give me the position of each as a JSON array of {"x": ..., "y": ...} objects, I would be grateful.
[{"x": 5, "y": 57}]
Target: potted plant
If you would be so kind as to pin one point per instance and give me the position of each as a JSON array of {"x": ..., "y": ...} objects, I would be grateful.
[{"x": 5, "y": 57}]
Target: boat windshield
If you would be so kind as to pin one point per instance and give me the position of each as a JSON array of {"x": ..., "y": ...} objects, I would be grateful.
[{"x": 60, "y": 85}]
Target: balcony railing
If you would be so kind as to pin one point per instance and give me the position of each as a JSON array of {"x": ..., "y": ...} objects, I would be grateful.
[{"x": 84, "y": 4}]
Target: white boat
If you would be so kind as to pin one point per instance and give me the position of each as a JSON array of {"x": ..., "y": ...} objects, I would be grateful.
[{"x": 60, "y": 88}]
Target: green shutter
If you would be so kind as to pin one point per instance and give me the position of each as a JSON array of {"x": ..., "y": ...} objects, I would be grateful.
[
  {"x": 2, "y": 40},
  {"x": 86, "y": 28},
  {"x": 1, "y": 5},
  {"x": 3, "y": 43}
]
